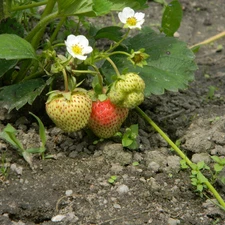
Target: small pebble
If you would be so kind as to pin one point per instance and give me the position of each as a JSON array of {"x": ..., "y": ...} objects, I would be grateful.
[
  {"x": 123, "y": 189},
  {"x": 58, "y": 218},
  {"x": 172, "y": 221},
  {"x": 69, "y": 192}
]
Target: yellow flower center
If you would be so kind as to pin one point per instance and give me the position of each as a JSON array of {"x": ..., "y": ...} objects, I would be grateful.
[
  {"x": 132, "y": 21},
  {"x": 77, "y": 49}
]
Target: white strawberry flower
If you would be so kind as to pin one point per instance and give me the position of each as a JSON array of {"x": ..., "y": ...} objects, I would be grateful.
[
  {"x": 131, "y": 19},
  {"x": 78, "y": 46}
]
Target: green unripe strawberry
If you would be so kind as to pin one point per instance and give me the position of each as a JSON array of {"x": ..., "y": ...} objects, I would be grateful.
[
  {"x": 127, "y": 91},
  {"x": 106, "y": 118},
  {"x": 70, "y": 111}
]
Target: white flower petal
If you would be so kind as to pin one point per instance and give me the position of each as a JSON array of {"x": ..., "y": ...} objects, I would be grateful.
[
  {"x": 87, "y": 50},
  {"x": 80, "y": 43},
  {"x": 128, "y": 12},
  {"x": 82, "y": 40},
  {"x": 122, "y": 17},
  {"x": 71, "y": 39},
  {"x": 81, "y": 57},
  {"x": 139, "y": 16}
]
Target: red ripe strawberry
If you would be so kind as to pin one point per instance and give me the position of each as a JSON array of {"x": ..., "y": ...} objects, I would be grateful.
[
  {"x": 106, "y": 118},
  {"x": 70, "y": 111}
]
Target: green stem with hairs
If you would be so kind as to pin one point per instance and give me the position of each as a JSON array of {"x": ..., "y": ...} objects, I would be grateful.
[{"x": 182, "y": 155}]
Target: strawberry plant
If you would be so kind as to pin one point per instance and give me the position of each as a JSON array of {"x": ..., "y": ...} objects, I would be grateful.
[{"x": 38, "y": 50}]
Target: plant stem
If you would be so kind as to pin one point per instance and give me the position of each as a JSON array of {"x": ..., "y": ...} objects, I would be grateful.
[
  {"x": 38, "y": 36},
  {"x": 65, "y": 80},
  {"x": 29, "y": 6},
  {"x": 209, "y": 40},
  {"x": 119, "y": 52},
  {"x": 85, "y": 71},
  {"x": 114, "y": 66},
  {"x": 42, "y": 23},
  {"x": 119, "y": 42},
  {"x": 56, "y": 31},
  {"x": 181, "y": 154}
]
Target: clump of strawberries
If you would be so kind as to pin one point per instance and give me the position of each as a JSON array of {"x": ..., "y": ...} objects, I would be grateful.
[
  {"x": 127, "y": 91},
  {"x": 74, "y": 110}
]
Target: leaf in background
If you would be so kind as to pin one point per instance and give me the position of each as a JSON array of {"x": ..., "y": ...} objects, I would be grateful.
[
  {"x": 17, "y": 95},
  {"x": 15, "y": 47},
  {"x": 75, "y": 6},
  {"x": 11, "y": 26},
  {"x": 6, "y": 65},
  {"x": 172, "y": 17},
  {"x": 113, "y": 33},
  {"x": 170, "y": 66},
  {"x": 94, "y": 8},
  {"x": 134, "y": 4}
]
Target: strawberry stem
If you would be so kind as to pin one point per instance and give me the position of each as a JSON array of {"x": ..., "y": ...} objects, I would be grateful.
[
  {"x": 114, "y": 66},
  {"x": 100, "y": 79},
  {"x": 65, "y": 80},
  {"x": 119, "y": 42},
  {"x": 182, "y": 155}
]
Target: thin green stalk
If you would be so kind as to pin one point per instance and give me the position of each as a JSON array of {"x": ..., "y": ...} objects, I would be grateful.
[
  {"x": 114, "y": 66},
  {"x": 99, "y": 76},
  {"x": 56, "y": 31},
  {"x": 119, "y": 42},
  {"x": 29, "y": 6},
  {"x": 119, "y": 52},
  {"x": 65, "y": 80},
  {"x": 85, "y": 71},
  {"x": 182, "y": 155}
]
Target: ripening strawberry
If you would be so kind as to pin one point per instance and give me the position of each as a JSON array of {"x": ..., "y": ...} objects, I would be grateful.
[
  {"x": 70, "y": 111},
  {"x": 127, "y": 91},
  {"x": 106, "y": 118}
]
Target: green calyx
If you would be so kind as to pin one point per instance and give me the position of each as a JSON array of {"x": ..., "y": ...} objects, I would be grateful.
[
  {"x": 127, "y": 91},
  {"x": 66, "y": 94}
]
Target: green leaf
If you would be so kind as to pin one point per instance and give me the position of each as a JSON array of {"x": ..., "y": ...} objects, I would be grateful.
[
  {"x": 75, "y": 6},
  {"x": 6, "y": 65},
  {"x": 170, "y": 66},
  {"x": 41, "y": 130},
  {"x": 216, "y": 159},
  {"x": 126, "y": 142},
  {"x": 134, "y": 4},
  {"x": 15, "y": 47},
  {"x": 218, "y": 167},
  {"x": 113, "y": 33},
  {"x": 17, "y": 95},
  {"x": 200, "y": 187},
  {"x": 8, "y": 134},
  {"x": 201, "y": 178},
  {"x": 200, "y": 165},
  {"x": 102, "y": 7},
  {"x": 94, "y": 8},
  {"x": 172, "y": 17},
  {"x": 183, "y": 164}
]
